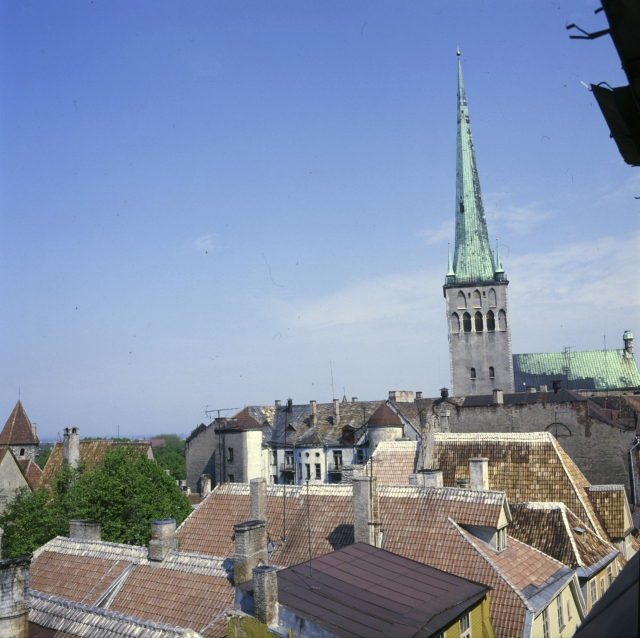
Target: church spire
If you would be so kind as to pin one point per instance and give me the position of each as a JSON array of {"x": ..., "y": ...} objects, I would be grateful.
[{"x": 473, "y": 260}]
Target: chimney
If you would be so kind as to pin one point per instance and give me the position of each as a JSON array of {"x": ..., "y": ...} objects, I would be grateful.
[
  {"x": 205, "y": 484},
  {"x": 84, "y": 530},
  {"x": 627, "y": 337},
  {"x": 336, "y": 412},
  {"x": 289, "y": 406},
  {"x": 556, "y": 386},
  {"x": 426, "y": 447},
  {"x": 366, "y": 520},
  {"x": 444, "y": 393},
  {"x": 251, "y": 549},
  {"x": 479, "y": 472},
  {"x": 498, "y": 397},
  {"x": 543, "y": 388},
  {"x": 167, "y": 472},
  {"x": 72, "y": 446},
  {"x": 265, "y": 594},
  {"x": 444, "y": 420},
  {"x": 187, "y": 490},
  {"x": 278, "y": 403},
  {"x": 418, "y": 395},
  {"x": 413, "y": 479},
  {"x": 354, "y": 399},
  {"x": 314, "y": 414},
  {"x": 14, "y": 597},
  {"x": 430, "y": 478},
  {"x": 462, "y": 483},
  {"x": 163, "y": 538},
  {"x": 531, "y": 389},
  {"x": 34, "y": 429},
  {"x": 258, "y": 492}
]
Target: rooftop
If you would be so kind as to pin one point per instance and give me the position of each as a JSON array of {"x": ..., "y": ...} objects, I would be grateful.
[{"x": 18, "y": 429}]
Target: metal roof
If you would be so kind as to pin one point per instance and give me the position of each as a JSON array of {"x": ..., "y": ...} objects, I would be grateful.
[
  {"x": 581, "y": 370},
  {"x": 362, "y": 590}
]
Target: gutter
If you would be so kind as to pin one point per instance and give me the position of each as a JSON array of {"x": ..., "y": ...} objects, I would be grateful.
[{"x": 587, "y": 572}]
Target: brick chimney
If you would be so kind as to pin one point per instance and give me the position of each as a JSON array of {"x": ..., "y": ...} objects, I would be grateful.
[
  {"x": 498, "y": 397},
  {"x": 163, "y": 538},
  {"x": 71, "y": 446},
  {"x": 265, "y": 594},
  {"x": 205, "y": 484},
  {"x": 366, "y": 511},
  {"x": 258, "y": 498},
  {"x": 14, "y": 597},
  {"x": 251, "y": 549},
  {"x": 84, "y": 530},
  {"x": 479, "y": 473}
]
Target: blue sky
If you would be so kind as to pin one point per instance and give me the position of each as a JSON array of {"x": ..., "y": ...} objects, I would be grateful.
[{"x": 205, "y": 203}]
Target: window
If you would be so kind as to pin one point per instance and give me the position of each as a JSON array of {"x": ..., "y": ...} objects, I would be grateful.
[
  {"x": 274, "y": 478},
  {"x": 360, "y": 456},
  {"x": 602, "y": 586},
  {"x": 232, "y": 478},
  {"x": 501, "y": 539},
  {"x": 479, "y": 322},
  {"x": 491, "y": 321},
  {"x": 462, "y": 301},
  {"x": 318, "y": 471},
  {"x": 593, "y": 587},
  {"x": 492, "y": 373},
  {"x": 502, "y": 320},
  {"x": 492, "y": 298},
  {"x": 473, "y": 374},
  {"x": 477, "y": 300},
  {"x": 288, "y": 458},
  {"x": 560, "y": 612},
  {"x": 545, "y": 623},
  {"x": 230, "y": 454},
  {"x": 337, "y": 459},
  {"x": 307, "y": 467},
  {"x": 300, "y": 471},
  {"x": 455, "y": 323},
  {"x": 21, "y": 451},
  {"x": 466, "y": 322},
  {"x": 274, "y": 453},
  {"x": 465, "y": 627},
  {"x": 610, "y": 574}
]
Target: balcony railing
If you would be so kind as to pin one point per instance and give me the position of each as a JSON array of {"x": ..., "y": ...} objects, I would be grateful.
[
  {"x": 287, "y": 466},
  {"x": 335, "y": 467}
]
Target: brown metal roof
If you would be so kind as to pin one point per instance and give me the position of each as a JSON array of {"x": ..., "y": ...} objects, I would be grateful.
[
  {"x": 384, "y": 415},
  {"x": 361, "y": 590},
  {"x": 17, "y": 429}
]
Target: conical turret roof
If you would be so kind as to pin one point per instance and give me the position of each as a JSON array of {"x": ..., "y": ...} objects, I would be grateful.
[
  {"x": 384, "y": 415},
  {"x": 18, "y": 430}
]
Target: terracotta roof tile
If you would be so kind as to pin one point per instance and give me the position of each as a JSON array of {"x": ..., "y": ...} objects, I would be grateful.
[
  {"x": 31, "y": 471},
  {"x": 17, "y": 429},
  {"x": 91, "y": 452}
]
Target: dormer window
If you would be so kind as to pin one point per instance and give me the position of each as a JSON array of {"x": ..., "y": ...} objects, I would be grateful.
[{"x": 501, "y": 539}]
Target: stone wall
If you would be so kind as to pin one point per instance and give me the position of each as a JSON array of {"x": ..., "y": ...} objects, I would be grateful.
[{"x": 199, "y": 453}]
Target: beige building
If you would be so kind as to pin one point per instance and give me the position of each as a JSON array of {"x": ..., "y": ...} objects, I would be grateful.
[{"x": 12, "y": 477}]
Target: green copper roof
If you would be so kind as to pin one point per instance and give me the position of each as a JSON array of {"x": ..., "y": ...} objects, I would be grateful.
[
  {"x": 581, "y": 370},
  {"x": 473, "y": 259}
]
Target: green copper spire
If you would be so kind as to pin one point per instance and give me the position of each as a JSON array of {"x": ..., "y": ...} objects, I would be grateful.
[{"x": 473, "y": 259}]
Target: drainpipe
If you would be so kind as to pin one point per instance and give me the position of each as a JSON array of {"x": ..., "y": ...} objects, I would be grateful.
[{"x": 633, "y": 473}]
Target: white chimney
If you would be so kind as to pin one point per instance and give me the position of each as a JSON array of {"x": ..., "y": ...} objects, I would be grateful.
[
  {"x": 479, "y": 472},
  {"x": 314, "y": 414},
  {"x": 498, "y": 397},
  {"x": 354, "y": 399},
  {"x": 543, "y": 388},
  {"x": 430, "y": 478},
  {"x": 627, "y": 337},
  {"x": 71, "y": 446},
  {"x": 205, "y": 484},
  {"x": 163, "y": 538},
  {"x": 531, "y": 389},
  {"x": 258, "y": 499},
  {"x": 14, "y": 601},
  {"x": 85, "y": 530},
  {"x": 265, "y": 594},
  {"x": 278, "y": 403},
  {"x": 366, "y": 518},
  {"x": 336, "y": 412},
  {"x": 34, "y": 429}
]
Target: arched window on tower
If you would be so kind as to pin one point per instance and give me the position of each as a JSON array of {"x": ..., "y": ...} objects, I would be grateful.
[
  {"x": 492, "y": 373},
  {"x": 462, "y": 301},
  {"x": 477, "y": 299},
  {"x": 479, "y": 322},
  {"x": 466, "y": 322},
  {"x": 491, "y": 321},
  {"x": 455, "y": 323},
  {"x": 473, "y": 374},
  {"x": 492, "y": 298},
  {"x": 502, "y": 320}
]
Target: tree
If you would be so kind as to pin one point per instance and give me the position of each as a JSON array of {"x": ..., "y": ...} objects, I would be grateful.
[
  {"x": 125, "y": 492},
  {"x": 171, "y": 456},
  {"x": 45, "y": 453}
]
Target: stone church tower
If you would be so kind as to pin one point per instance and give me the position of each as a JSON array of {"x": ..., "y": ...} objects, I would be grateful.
[{"x": 476, "y": 285}]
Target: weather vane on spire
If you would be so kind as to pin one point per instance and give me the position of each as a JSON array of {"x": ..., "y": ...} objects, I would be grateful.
[{"x": 458, "y": 50}]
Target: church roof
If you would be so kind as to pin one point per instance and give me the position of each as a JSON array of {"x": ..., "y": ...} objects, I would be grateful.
[
  {"x": 579, "y": 370},
  {"x": 473, "y": 261},
  {"x": 17, "y": 429}
]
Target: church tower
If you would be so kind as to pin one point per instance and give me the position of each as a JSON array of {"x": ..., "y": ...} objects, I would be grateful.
[{"x": 475, "y": 287}]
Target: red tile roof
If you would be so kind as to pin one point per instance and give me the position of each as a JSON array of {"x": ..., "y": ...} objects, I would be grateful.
[
  {"x": 384, "y": 415},
  {"x": 17, "y": 429},
  {"x": 31, "y": 471}
]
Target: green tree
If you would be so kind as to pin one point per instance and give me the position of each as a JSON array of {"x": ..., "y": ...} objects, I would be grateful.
[
  {"x": 45, "y": 453},
  {"x": 171, "y": 456},
  {"x": 125, "y": 492}
]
